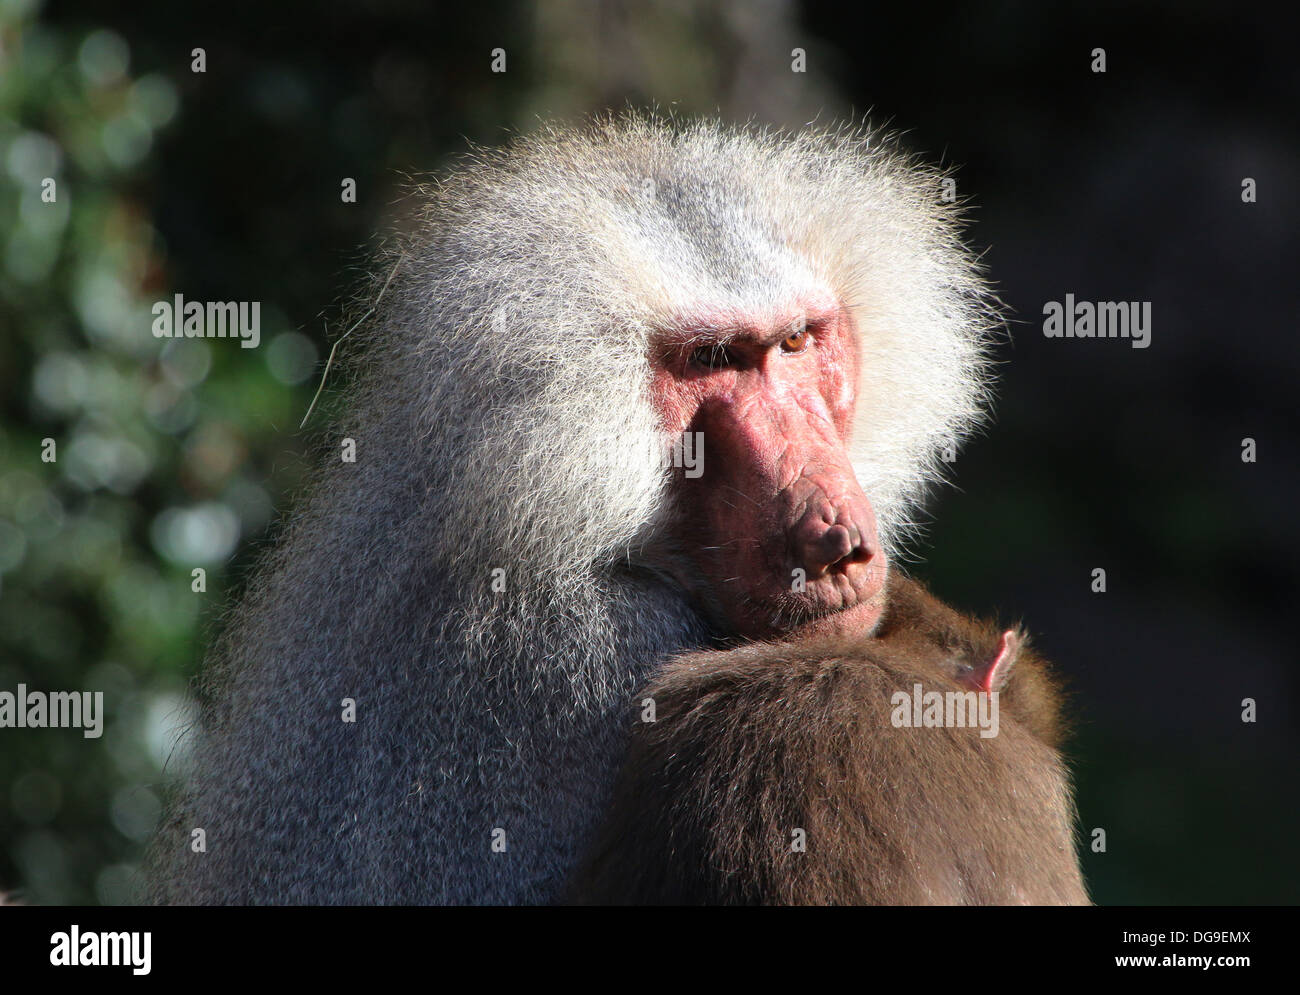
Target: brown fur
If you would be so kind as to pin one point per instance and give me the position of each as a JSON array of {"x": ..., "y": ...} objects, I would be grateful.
[
  {"x": 752, "y": 743},
  {"x": 916, "y": 620}
]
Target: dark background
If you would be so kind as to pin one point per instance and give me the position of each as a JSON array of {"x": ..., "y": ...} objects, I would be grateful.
[{"x": 225, "y": 186}]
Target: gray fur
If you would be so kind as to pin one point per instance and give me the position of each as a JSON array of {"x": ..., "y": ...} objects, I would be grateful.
[{"x": 500, "y": 413}]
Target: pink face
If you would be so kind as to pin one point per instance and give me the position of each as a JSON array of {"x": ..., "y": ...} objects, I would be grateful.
[{"x": 773, "y": 400}]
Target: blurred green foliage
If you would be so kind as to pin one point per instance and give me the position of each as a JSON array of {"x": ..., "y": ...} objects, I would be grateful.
[{"x": 149, "y": 477}]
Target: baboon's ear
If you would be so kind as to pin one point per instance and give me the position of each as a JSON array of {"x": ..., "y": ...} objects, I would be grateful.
[{"x": 993, "y": 675}]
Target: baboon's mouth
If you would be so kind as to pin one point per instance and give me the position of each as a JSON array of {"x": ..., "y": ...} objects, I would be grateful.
[
  {"x": 836, "y": 609},
  {"x": 859, "y": 619}
]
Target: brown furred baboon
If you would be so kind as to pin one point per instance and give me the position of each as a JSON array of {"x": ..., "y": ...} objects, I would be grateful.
[
  {"x": 510, "y": 556},
  {"x": 785, "y": 773}
]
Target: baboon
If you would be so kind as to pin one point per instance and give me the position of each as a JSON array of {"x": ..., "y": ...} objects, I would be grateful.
[
  {"x": 784, "y": 773},
  {"x": 510, "y": 555}
]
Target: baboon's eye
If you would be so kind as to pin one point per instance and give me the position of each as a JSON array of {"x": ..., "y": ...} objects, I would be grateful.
[
  {"x": 711, "y": 357},
  {"x": 795, "y": 341}
]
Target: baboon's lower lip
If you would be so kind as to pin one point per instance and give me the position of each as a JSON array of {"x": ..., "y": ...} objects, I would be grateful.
[
  {"x": 857, "y": 619},
  {"x": 799, "y": 616},
  {"x": 829, "y": 594}
]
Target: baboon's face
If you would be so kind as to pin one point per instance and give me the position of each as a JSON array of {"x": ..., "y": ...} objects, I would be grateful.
[{"x": 776, "y": 533}]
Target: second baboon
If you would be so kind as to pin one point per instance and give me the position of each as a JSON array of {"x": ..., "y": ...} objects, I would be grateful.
[{"x": 796, "y": 773}]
